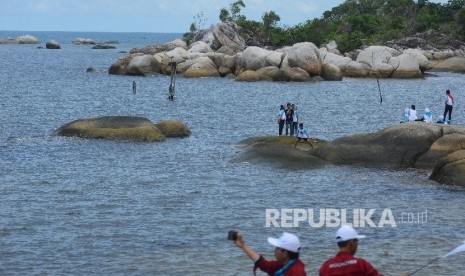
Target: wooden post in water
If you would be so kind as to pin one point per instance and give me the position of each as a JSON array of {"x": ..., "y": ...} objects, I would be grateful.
[{"x": 173, "y": 81}]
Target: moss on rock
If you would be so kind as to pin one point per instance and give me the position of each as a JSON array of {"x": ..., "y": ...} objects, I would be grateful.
[
  {"x": 120, "y": 128},
  {"x": 280, "y": 150},
  {"x": 173, "y": 129}
]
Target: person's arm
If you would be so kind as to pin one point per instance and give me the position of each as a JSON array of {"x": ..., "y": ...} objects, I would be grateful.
[
  {"x": 368, "y": 268},
  {"x": 241, "y": 244}
]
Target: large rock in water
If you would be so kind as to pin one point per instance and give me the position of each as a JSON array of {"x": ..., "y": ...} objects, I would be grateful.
[
  {"x": 202, "y": 67},
  {"x": 120, "y": 128},
  {"x": 22, "y": 39},
  {"x": 415, "y": 144},
  {"x": 173, "y": 129},
  {"x": 253, "y": 58},
  {"x": 305, "y": 55},
  {"x": 451, "y": 169},
  {"x": 453, "y": 64},
  {"x": 280, "y": 150},
  {"x": 143, "y": 65},
  {"x": 398, "y": 145},
  {"x": 52, "y": 44}
]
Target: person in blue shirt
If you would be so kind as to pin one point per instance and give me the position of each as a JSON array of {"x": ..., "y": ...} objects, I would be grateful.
[
  {"x": 428, "y": 116},
  {"x": 302, "y": 134}
]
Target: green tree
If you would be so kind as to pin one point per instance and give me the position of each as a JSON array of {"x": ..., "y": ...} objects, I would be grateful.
[
  {"x": 235, "y": 10},
  {"x": 224, "y": 15},
  {"x": 355, "y": 22},
  {"x": 270, "y": 20}
]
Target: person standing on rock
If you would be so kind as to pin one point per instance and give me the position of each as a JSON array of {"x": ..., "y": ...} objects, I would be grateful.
[
  {"x": 295, "y": 119},
  {"x": 281, "y": 119},
  {"x": 449, "y": 104},
  {"x": 289, "y": 115}
]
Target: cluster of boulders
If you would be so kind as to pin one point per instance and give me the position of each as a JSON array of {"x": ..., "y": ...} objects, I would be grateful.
[
  {"x": 22, "y": 39},
  {"x": 123, "y": 128},
  {"x": 53, "y": 44},
  {"x": 436, "y": 147},
  {"x": 88, "y": 41},
  {"x": 97, "y": 45},
  {"x": 220, "y": 51}
]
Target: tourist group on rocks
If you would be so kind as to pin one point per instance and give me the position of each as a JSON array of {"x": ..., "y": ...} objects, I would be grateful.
[
  {"x": 288, "y": 117},
  {"x": 410, "y": 115}
]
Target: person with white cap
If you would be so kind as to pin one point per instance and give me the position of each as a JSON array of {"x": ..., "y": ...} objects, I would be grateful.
[
  {"x": 344, "y": 263},
  {"x": 287, "y": 248}
]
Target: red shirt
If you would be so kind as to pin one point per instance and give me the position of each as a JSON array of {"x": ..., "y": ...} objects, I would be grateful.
[
  {"x": 270, "y": 267},
  {"x": 346, "y": 264}
]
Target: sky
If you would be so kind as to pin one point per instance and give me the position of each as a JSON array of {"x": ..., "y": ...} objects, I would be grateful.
[{"x": 155, "y": 16}]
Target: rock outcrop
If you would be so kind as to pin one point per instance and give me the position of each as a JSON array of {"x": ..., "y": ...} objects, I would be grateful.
[
  {"x": 52, "y": 44},
  {"x": 83, "y": 41},
  {"x": 123, "y": 128},
  {"x": 451, "y": 169},
  {"x": 280, "y": 150},
  {"x": 230, "y": 56},
  {"x": 222, "y": 35},
  {"x": 103, "y": 47},
  {"x": 173, "y": 129},
  {"x": 456, "y": 64},
  {"x": 22, "y": 39},
  {"x": 411, "y": 145},
  {"x": 305, "y": 55},
  {"x": 154, "y": 49},
  {"x": 402, "y": 145}
]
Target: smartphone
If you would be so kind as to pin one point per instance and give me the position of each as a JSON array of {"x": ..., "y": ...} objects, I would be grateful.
[{"x": 232, "y": 235}]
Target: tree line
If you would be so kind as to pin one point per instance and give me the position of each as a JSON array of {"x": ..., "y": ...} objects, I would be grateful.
[{"x": 351, "y": 24}]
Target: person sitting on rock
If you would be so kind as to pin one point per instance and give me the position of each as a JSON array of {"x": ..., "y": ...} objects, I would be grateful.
[
  {"x": 412, "y": 114},
  {"x": 428, "y": 116},
  {"x": 302, "y": 134},
  {"x": 406, "y": 115}
]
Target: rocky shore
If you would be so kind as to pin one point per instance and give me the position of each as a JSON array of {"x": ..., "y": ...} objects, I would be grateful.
[
  {"x": 436, "y": 147},
  {"x": 221, "y": 52}
]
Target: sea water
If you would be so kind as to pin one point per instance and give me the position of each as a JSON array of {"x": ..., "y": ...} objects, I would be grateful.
[{"x": 89, "y": 207}]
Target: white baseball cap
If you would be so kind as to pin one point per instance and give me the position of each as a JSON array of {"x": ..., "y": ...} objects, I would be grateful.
[
  {"x": 286, "y": 241},
  {"x": 346, "y": 233}
]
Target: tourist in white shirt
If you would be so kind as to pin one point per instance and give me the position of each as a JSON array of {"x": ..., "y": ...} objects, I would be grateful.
[{"x": 449, "y": 104}]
